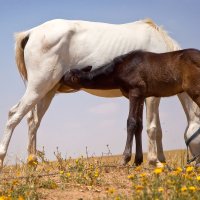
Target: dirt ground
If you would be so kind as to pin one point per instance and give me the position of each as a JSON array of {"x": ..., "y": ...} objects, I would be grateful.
[{"x": 101, "y": 178}]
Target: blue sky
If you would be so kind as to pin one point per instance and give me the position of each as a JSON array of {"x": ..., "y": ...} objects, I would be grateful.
[{"x": 75, "y": 121}]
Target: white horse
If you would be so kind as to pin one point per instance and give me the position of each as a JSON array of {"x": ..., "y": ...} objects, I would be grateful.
[{"x": 45, "y": 53}]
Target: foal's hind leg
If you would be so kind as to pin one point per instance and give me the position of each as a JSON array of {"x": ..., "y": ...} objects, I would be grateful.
[
  {"x": 34, "y": 118},
  {"x": 133, "y": 127}
]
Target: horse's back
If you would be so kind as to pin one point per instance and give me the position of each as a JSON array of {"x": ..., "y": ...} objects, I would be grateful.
[{"x": 93, "y": 43}]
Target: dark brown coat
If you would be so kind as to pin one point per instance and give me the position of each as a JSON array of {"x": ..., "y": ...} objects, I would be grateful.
[{"x": 141, "y": 74}]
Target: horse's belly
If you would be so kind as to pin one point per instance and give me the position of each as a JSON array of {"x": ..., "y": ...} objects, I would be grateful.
[
  {"x": 99, "y": 93},
  {"x": 104, "y": 93}
]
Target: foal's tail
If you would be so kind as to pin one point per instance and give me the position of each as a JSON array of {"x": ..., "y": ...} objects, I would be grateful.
[{"x": 21, "y": 40}]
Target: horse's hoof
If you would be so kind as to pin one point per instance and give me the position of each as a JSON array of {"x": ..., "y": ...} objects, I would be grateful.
[
  {"x": 122, "y": 163},
  {"x": 156, "y": 163},
  {"x": 2, "y": 156},
  {"x": 160, "y": 165},
  {"x": 161, "y": 158},
  {"x": 197, "y": 165},
  {"x": 153, "y": 162},
  {"x": 1, "y": 164}
]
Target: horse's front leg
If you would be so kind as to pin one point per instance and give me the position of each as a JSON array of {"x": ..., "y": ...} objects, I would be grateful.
[
  {"x": 34, "y": 118},
  {"x": 155, "y": 151},
  {"x": 133, "y": 126},
  {"x": 192, "y": 112}
]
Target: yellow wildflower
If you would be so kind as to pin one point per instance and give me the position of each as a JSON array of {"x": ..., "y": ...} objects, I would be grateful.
[
  {"x": 160, "y": 189},
  {"x": 15, "y": 182},
  {"x": 178, "y": 170},
  {"x": 158, "y": 170},
  {"x": 169, "y": 181},
  {"x": 4, "y": 198},
  {"x": 198, "y": 178},
  {"x": 68, "y": 174},
  {"x": 131, "y": 177},
  {"x": 20, "y": 198},
  {"x": 139, "y": 187},
  {"x": 189, "y": 169},
  {"x": 32, "y": 160},
  {"x": 192, "y": 188},
  {"x": 69, "y": 165},
  {"x": 143, "y": 174},
  {"x": 61, "y": 172},
  {"x": 54, "y": 185},
  {"x": 111, "y": 190},
  {"x": 96, "y": 174},
  {"x": 18, "y": 173},
  {"x": 187, "y": 176},
  {"x": 138, "y": 168},
  {"x": 183, "y": 189}
]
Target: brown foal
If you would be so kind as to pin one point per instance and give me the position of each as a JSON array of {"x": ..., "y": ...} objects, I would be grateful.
[{"x": 138, "y": 75}]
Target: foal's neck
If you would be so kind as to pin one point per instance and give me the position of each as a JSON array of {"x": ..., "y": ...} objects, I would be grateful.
[{"x": 100, "y": 78}]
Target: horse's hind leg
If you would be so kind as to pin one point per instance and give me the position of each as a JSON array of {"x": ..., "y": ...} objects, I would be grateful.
[
  {"x": 155, "y": 152},
  {"x": 194, "y": 93},
  {"x": 192, "y": 112},
  {"x": 37, "y": 88},
  {"x": 15, "y": 115},
  {"x": 34, "y": 118}
]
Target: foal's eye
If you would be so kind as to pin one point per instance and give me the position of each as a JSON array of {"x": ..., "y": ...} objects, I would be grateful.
[{"x": 73, "y": 78}]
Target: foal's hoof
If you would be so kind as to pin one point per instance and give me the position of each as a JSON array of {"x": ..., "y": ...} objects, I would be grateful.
[
  {"x": 138, "y": 161},
  {"x": 125, "y": 160}
]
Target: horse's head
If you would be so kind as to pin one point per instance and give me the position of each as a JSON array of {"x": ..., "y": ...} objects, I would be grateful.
[{"x": 74, "y": 77}]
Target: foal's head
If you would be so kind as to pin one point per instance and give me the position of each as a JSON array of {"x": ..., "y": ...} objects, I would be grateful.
[{"x": 74, "y": 77}]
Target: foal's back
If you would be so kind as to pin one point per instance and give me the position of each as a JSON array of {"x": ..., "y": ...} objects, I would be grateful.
[{"x": 160, "y": 75}]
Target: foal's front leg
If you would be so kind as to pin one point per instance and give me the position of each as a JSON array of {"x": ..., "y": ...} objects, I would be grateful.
[
  {"x": 134, "y": 126},
  {"x": 138, "y": 132}
]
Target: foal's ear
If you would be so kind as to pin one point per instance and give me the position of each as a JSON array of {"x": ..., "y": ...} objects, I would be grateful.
[{"x": 86, "y": 69}]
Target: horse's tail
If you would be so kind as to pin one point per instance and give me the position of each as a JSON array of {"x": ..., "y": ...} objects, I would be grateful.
[
  {"x": 172, "y": 45},
  {"x": 21, "y": 40}
]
